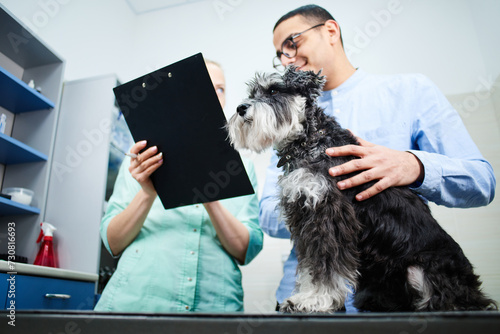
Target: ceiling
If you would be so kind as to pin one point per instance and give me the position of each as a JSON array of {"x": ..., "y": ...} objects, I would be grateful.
[{"x": 145, "y": 6}]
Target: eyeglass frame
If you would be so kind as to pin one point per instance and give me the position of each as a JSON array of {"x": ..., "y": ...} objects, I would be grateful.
[{"x": 291, "y": 38}]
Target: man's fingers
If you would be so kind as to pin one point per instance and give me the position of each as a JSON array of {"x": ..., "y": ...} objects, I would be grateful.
[
  {"x": 372, "y": 191},
  {"x": 364, "y": 143},
  {"x": 346, "y": 150},
  {"x": 348, "y": 167},
  {"x": 356, "y": 150},
  {"x": 356, "y": 180}
]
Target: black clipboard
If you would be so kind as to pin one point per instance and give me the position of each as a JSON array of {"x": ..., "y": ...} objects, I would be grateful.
[{"x": 176, "y": 108}]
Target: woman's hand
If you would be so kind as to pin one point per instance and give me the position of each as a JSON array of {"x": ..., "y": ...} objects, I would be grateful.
[
  {"x": 126, "y": 225},
  {"x": 144, "y": 165}
]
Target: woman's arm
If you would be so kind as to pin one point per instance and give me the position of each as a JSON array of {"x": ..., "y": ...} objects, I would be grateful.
[
  {"x": 232, "y": 234},
  {"x": 126, "y": 225}
]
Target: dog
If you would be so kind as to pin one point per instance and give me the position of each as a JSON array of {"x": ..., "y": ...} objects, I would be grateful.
[{"x": 388, "y": 249}]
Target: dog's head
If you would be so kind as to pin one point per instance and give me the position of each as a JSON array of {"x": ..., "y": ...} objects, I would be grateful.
[{"x": 275, "y": 109}]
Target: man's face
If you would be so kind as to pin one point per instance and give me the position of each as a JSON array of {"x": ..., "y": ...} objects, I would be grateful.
[{"x": 311, "y": 46}]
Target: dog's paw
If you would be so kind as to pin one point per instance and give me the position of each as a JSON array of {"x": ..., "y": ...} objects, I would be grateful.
[
  {"x": 295, "y": 304},
  {"x": 289, "y": 307}
]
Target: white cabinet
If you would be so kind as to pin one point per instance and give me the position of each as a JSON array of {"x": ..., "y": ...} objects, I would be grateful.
[{"x": 79, "y": 171}]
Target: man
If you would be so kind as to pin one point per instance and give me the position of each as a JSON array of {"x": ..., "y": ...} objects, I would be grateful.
[{"x": 409, "y": 134}]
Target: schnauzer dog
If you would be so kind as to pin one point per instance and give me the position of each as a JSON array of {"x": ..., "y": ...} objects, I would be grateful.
[{"x": 388, "y": 249}]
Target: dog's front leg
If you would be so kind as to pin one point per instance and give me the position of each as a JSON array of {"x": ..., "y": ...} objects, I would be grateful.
[
  {"x": 321, "y": 296},
  {"x": 324, "y": 229}
]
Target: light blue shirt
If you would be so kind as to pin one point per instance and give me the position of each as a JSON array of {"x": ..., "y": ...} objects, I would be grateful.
[
  {"x": 406, "y": 113},
  {"x": 177, "y": 262}
]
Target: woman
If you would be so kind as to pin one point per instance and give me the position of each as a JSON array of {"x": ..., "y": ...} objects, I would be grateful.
[{"x": 182, "y": 259}]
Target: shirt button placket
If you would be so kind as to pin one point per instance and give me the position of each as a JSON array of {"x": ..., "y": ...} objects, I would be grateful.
[{"x": 192, "y": 260}]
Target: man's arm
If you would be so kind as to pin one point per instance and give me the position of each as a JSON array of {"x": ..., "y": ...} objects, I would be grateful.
[
  {"x": 269, "y": 219},
  {"x": 455, "y": 174}
]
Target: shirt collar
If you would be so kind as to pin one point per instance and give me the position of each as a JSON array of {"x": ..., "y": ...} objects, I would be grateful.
[{"x": 351, "y": 82}]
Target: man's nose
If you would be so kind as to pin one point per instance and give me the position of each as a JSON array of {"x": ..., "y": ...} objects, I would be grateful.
[
  {"x": 242, "y": 109},
  {"x": 285, "y": 61}
]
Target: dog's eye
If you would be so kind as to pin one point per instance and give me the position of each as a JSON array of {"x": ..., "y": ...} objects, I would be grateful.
[{"x": 274, "y": 92}]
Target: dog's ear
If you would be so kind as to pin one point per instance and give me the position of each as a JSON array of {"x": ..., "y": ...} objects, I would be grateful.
[
  {"x": 260, "y": 79},
  {"x": 306, "y": 83}
]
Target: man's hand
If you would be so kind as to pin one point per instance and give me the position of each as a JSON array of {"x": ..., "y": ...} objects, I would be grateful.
[{"x": 390, "y": 167}]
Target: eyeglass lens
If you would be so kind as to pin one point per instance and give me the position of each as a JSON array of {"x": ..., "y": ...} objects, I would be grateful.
[{"x": 289, "y": 48}]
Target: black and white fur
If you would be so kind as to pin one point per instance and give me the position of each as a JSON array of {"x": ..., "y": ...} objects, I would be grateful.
[{"x": 389, "y": 248}]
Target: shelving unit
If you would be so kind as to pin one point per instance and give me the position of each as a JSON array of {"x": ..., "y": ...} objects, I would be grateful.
[
  {"x": 11, "y": 208},
  {"x": 26, "y": 148},
  {"x": 12, "y": 152},
  {"x": 16, "y": 96},
  {"x": 53, "y": 145},
  {"x": 31, "y": 151}
]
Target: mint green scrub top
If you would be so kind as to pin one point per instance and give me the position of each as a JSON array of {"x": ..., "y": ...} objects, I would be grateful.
[{"x": 177, "y": 263}]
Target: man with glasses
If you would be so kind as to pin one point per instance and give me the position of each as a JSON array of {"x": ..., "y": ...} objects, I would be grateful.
[{"x": 409, "y": 133}]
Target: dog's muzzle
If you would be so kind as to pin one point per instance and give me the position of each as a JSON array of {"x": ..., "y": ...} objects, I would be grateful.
[{"x": 242, "y": 109}]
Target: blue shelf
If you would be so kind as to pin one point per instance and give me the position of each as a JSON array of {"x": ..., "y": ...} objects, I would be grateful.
[
  {"x": 12, "y": 151},
  {"x": 11, "y": 208},
  {"x": 17, "y": 97}
]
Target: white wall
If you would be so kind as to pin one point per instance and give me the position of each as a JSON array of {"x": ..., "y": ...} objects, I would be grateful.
[
  {"x": 477, "y": 230},
  {"x": 485, "y": 18},
  {"x": 454, "y": 42}
]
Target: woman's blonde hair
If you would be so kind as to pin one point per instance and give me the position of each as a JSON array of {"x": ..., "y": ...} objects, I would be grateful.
[{"x": 209, "y": 61}]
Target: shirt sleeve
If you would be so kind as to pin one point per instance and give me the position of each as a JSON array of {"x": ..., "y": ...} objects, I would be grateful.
[
  {"x": 249, "y": 216},
  {"x": 124, "y": 190},
  {"x": 269, "y": 216},
  {"x": 456, "y": 174}
]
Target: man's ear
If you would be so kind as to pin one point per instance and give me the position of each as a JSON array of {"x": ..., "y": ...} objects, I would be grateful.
[
  {"x": 306, "y": 83},
  {"x": 333, "y": 29}
]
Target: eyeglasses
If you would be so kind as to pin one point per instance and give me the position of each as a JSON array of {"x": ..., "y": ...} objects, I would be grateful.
[{"x": 289, "y": 48}]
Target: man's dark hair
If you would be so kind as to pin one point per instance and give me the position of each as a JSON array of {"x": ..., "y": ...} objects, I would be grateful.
[{"x": 312, "y": 13}]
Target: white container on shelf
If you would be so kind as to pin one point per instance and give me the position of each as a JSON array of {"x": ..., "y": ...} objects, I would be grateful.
[
  {"x": 20, "y": 195},
  {"x": 3, "y": 122}
]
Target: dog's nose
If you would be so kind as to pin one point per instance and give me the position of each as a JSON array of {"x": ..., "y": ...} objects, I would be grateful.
[{"x": 242, "y": 109}]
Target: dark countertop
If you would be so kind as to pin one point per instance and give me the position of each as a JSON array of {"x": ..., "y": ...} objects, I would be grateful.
[{"x": 236, "y": 323}]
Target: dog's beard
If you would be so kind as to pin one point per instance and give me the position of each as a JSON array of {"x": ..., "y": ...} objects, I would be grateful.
[{"x": 262, "y": 125}]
